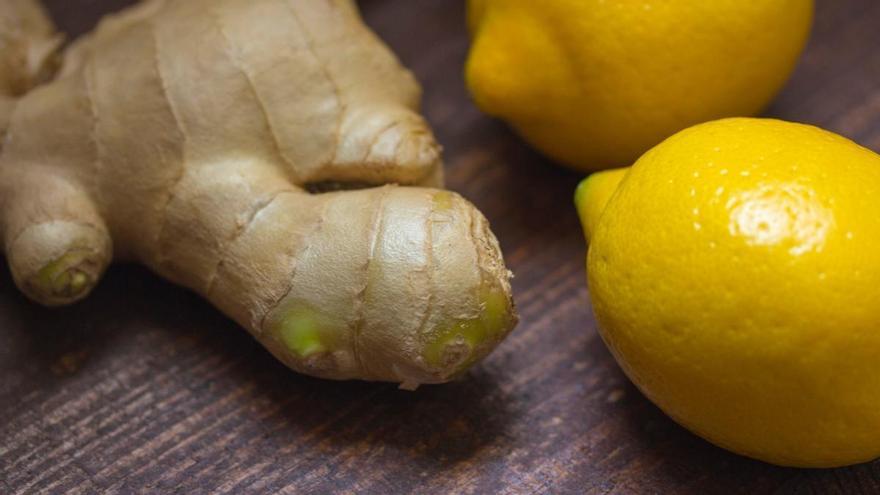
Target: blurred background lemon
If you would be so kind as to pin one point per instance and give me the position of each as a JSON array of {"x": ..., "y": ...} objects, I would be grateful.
[{"x": 595, "y": 83}]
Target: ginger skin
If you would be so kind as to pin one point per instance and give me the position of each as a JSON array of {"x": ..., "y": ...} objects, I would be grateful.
[
  {"x": 184, "y": 135},
  {"x": 28, "y": 46}
]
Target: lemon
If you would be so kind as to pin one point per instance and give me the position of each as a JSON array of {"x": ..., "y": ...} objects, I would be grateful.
[
  {"x": 595, "y": 83},
  {"x": 735, "y": 276}
]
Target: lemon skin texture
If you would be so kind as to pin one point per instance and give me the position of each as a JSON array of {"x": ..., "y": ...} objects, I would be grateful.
[
  {"x": 596, "y": 83},
  {"x": 735, "y": 276}
]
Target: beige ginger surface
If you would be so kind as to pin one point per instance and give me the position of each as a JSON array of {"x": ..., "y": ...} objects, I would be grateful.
[
  {"x": 186, "y": 135},
  {"x": 28, "y": 45}
]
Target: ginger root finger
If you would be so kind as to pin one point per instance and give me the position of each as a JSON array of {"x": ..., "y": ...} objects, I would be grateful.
[
  {"x": 28, "y": 45},
  {"x": 54, "y": 238},
  {"x": 399, "y": 284},
  {"x": 394, "y": 284},
  {"x": 28, "y": 52}
]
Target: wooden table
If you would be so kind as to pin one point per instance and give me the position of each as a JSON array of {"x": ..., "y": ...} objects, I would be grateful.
[{"x": 144, "y": 387}]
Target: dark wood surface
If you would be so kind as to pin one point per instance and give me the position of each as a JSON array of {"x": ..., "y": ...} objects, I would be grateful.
[{"x": 145, "y": 388}]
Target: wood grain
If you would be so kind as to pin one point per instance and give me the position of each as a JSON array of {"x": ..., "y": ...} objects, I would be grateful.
[{"x": 145, "y": 388}]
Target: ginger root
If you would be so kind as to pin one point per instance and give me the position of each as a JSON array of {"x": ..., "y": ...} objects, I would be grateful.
[
  {"x": 186, "y": 135},
  {"x": 28, "y": 48}
]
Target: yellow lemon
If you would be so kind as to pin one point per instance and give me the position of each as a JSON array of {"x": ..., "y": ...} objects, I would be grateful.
[
  {"x": 735, "y": 276},
  {"x": 595, "y": 83}
]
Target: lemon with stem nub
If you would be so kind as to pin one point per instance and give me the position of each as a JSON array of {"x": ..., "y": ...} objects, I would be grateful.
[
  {"x": 595, "y": 83},
  {"x": 735, "y": 274}
]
